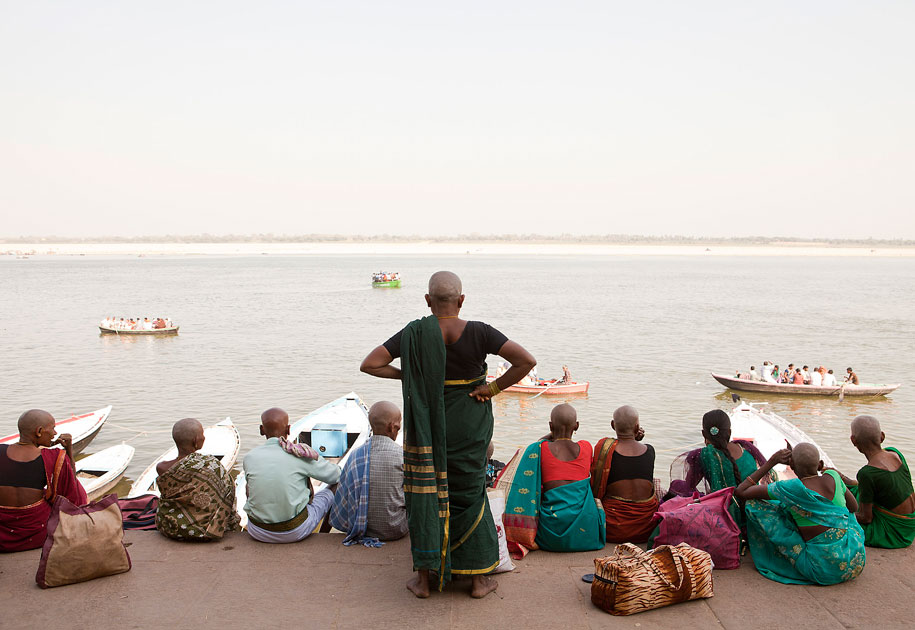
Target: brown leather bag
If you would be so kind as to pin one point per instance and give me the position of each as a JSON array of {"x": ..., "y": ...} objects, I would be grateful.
[
  {"x": 633, "y": 581},
  {"x": 83, "y": 543}
]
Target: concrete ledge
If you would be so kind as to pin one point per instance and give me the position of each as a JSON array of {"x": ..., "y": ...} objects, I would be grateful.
[{"x": 319, "y": 583}]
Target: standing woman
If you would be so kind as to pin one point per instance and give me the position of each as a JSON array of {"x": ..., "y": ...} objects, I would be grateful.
[{"x": 448, "y": 424}]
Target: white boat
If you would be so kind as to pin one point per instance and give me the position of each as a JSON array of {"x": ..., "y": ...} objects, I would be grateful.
[
  {"x": 769, "y": 432},
  {"x": 83, "y": 428},
  {"x": 220, "y": 440},
  {"x": 347, "y": 410},
  {"x": 100, "y": 472}
]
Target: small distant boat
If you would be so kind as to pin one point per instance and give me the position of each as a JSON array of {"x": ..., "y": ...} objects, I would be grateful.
[
  {"x": 220, "y": 440},
  {"x": 548, "y": 388},
  {"x": 385, "y": 280},
  {"x": 100, "y": 472},
  {"x": 82, "y": 428},
  {"x": 348, "y": 413},
  {"x": 768, "y": 432},
  {"x": 746, "y": 385},
  {"x": 173, "y": 330}
]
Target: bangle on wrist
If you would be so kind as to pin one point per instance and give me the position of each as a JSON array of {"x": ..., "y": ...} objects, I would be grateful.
[{"x": 493, "y": 388}]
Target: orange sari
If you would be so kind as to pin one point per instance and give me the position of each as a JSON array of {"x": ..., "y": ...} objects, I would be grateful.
[{"x": 627, "y": 520}]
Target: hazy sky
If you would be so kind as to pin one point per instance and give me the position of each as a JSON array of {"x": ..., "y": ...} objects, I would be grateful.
[{"x": 695, "y": 118}]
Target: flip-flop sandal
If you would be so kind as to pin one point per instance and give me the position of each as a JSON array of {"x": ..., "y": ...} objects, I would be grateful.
[{"x": 587, "y": 577}]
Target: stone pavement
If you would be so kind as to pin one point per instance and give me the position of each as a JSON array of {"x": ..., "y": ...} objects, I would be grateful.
[{"x": 319, "y": 583}]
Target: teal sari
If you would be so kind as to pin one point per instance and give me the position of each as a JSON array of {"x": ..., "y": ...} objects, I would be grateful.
[
  {"x": 781, "y": 554},
  {"x": 719, "y": 474},
  {"x": 560, "y": 519}
]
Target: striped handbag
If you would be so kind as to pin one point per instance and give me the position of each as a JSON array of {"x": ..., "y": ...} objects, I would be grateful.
[{"x": 633, "y": 581}]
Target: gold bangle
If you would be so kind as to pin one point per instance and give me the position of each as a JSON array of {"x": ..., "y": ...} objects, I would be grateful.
[{"x": 493, "y": 389}]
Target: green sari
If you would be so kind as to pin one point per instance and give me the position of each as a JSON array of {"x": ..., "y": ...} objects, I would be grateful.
[
  {"x": 446, "y": 434},
  {"x": 781, "y": 554}
]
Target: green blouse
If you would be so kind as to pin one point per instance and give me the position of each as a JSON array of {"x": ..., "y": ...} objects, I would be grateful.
[{"x": 885, "y": 488}]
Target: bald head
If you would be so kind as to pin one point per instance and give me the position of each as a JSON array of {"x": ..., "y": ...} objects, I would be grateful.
[
  {"x": 445, "y": 287},
  {"x": 564, "y": 416},
  {"x": 865, "y": 431},
  {"x": 188, "y": 434},
  {"x": 274, "y": 423},
  {"x": 32, "y": 420},
  {"x": 625, "y": 420},
  {"x": 384, "y": 417},
  {"x": 805, "y": 459}
]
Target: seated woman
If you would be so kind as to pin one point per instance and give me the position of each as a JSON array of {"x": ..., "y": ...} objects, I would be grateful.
[
  {"x": 883, "y": 489},
  {"x": 549, "y": 504},
  {"x": 803, "y": 531},
  {"x": 722, "y": 463},
  {"x": 622, "y": 477},
  {"x": 32, "y": 475}
]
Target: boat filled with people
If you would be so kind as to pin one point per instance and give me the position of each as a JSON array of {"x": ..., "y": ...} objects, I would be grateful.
[
  {"x": 138, "y": 326},
  {"x": 744, "y": 384},
  {"x": 384, "y": 279}
]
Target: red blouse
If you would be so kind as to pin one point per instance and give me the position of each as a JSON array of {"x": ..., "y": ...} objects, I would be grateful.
[{"x": 554, "y": 469}]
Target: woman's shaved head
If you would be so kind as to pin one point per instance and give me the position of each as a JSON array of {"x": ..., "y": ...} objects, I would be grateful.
[
  {"x": 805, "y": 459},
  {"x": 31, "y": 420},
  {"x": 866, "y": 430},
  {"x": 445, "y": 286}
]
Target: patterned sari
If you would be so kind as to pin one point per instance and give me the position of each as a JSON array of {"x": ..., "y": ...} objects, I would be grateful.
[
  {"x": 197, "y": 500},
  {"x": 446, "y": 434},
  {"x": 560, "y": 519},
  {"x": 627, "y": 520},
  {"x": 781, "y": 554}
]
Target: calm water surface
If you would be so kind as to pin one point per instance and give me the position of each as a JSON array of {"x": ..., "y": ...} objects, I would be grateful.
[{"x": 291, "y": 331}]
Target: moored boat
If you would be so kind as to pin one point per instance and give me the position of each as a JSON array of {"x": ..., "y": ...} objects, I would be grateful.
[
  {"x": 342, "y": 423},
  {"x": 845, "y": 389},
  {"x": 548, "y": 387},
  {"x": 100, "y": 472},
  {"x": 82, "y": 428},
  {"x": 220, "y": 440},
  {"x": 769, "y": 432}
]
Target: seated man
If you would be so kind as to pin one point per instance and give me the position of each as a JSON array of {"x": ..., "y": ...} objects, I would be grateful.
[
  {"x": 550, "y": 504},
  {"x": 802, "y": 531},
  {"x": 886, "y": 499},
  {"x": 369, "y": 503},
  {"x": 622, "y": 477},
  {"x": 280, "y": 504},
  {"x": 816, "y": 377},
  {"x": 852, "y": 378},
  {"x": 829, "y": 379},
  {"x": 197, "y": 500},
  {"x": 32, "y": 475}
]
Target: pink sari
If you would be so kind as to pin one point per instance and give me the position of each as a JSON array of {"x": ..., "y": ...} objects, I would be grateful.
[{"x": 25, "y": 527}]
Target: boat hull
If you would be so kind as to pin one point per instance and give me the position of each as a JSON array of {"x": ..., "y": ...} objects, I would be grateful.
[
  {"x": 220, "y": 440},
  {"x": 100, "y": 472},
  {"x": 390, "y": 284},
  {"x": 745, "y": 385},
  {"x": 549, "y": 389},
  {"x": 156, "y": 331}
]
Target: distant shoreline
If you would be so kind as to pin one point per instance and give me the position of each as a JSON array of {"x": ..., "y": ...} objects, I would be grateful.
[{"x": 476, "y": 247}]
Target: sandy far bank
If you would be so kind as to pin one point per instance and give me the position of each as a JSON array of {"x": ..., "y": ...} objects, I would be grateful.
[{"x": 436, "y": 248}]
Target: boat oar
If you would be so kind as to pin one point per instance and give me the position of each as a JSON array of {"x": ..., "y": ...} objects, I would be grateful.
[
  {"x": 842, "y": 393},
  {"x": 544, "y": 390}
]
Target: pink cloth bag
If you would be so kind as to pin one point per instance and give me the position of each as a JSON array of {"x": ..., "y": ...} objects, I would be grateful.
[{"x": 702, "y": 522}]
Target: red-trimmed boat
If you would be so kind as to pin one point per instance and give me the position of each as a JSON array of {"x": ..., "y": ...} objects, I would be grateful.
[{"x": 548, "y": 388}]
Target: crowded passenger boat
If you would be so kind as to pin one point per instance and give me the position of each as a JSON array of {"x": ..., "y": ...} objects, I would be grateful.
[
  {"x": 385, "y": 279},
  {"x": 138, "y": 326},
  {"x": 820, "y": 381}
]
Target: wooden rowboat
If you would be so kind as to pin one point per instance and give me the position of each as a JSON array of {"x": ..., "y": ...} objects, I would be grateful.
[
  {"x": 347, "y": 410},
  {"x": 547, "y": 388},
  {"x": 220, "y": 440},
  {"x": 83, "y": 428},
  {"x": 155, "y": 331},
  {"x": 768, "y": 432},
  {"x": 746, "y": 385},
  {"x": 100, "y": 472}
]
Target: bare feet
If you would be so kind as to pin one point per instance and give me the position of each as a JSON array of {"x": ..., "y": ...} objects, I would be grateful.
[
  {"x": 482, "y": 586},
  {"x": 419, "y": 584}
]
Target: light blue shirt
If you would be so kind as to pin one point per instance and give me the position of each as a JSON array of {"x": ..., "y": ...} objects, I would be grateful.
[{"x": 278, "y": 486}]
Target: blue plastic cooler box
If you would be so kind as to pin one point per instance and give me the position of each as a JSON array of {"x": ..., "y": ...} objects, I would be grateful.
[{"x": 329, "y": 439}]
